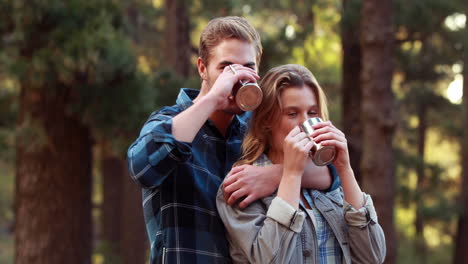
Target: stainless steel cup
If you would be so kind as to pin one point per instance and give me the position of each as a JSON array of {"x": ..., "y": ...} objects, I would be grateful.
[
  {"x": 320, "y": 155},
  {"x": 248, "y": 95}
]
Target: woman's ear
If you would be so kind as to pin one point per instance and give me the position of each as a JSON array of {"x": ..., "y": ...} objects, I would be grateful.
[{"x": 202, "y": 70}]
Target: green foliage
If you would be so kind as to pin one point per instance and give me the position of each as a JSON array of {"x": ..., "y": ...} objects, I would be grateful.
[
  {"x": 408, "y": 254},
  {"x": 106, "y": 249},
  {"x": 94, "y": 50},
  {"x": 6, "y": 203},
  {"x": 8, "y": 113},
  {"x": 421, "y": 18},
  {"x": 82, "y": 47},
  {"x": 426, "y": 51},
  {"x": 351, "y": 14}
]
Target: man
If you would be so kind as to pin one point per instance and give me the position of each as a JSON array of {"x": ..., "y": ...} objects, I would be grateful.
[{"x": 185, "y": 150}]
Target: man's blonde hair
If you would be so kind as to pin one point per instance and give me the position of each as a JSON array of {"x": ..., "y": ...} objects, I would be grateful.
[
  {"x": 258, "y": 138},
  {"x": 223, "y": 28}
]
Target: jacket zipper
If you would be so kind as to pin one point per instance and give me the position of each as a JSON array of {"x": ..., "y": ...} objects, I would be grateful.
[{"x": 164, "y": 255}]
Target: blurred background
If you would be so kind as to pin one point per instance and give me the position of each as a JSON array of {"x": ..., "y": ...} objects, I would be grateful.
[{"x": 79, "y": 78}]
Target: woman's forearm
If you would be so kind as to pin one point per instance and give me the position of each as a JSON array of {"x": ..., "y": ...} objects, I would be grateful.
[
  {"x": 352, "y": 191},
  {"x": 290, "y": 188}
]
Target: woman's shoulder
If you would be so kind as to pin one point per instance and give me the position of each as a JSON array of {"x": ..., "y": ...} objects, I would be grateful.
[
  {"x": 258, "y": 206},
  {"x": 262, "y": 161}
]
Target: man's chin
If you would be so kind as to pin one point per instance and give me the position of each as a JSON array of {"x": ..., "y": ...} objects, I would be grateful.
[{"x": 233, "y": 110}]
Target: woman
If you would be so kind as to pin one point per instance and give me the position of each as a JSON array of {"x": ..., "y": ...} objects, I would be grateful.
[{"x": 296, "y": 225}]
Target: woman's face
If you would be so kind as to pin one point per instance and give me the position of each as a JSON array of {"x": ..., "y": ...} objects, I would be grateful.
[{"x": 299, "y": 104}]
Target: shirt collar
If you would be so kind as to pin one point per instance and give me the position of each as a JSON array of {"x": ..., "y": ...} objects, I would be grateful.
[
  {"x": 186, "y": 97},
  {"x": 336, "y": 183}
]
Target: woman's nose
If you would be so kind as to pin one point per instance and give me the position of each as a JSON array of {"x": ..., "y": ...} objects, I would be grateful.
[{"x": 303, "y": 118}]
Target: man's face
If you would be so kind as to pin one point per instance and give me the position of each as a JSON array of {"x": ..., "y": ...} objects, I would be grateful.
[{"x": 229, "y": 51}]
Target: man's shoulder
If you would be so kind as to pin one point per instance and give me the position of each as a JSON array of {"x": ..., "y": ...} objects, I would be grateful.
[
  {"x": 183, "y": 101},
  {"x": 168, "y": 110},
  {"x": 165, "y": 112}
]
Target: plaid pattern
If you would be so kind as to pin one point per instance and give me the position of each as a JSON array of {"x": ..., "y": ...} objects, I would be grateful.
[
  {"x": 262, "y": 161},
  {"x": 329, "y": 250},
  {"x": 179, "y": 185}
]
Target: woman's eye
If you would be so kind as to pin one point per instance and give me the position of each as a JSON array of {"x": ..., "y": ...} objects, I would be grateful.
[
  {"x": 292, "y": 114},
  {"x": 313, "y": 113}
]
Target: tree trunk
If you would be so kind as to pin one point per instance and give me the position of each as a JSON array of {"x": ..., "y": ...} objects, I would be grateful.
[
  {"x": 178, "y": 37},
  {"x": 53, "y": 183},
  {"x": 378, "y": 113},
  {"x": 134, "y": 243},
  {"x": 112, "y": 176},
  {"x": 351, "y": 84},
  {"x": 124, "y": 232},
  {"x": 419, "y": 221},
  {"x": 461, "y": 247}
]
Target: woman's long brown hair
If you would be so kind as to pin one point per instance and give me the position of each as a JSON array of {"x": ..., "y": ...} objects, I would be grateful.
[{"x": 257, "y": 139}]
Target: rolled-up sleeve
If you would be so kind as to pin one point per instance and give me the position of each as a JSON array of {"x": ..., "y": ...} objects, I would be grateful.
[
  {"x": 285, "y": 214},
  {"x": 261, "y": 234},
  {"x": 154, "y": 155},
  {"x": 367, "y": 239}
]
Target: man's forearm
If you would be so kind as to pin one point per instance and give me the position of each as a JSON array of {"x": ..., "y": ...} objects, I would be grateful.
[
  {"x": 316, "y": 178},
  {"x": 255, "y": 182},
  {"x": 186, "y": 125}
]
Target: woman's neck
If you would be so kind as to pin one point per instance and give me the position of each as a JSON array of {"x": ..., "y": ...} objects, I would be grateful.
[{"x": 276, "y": 157}]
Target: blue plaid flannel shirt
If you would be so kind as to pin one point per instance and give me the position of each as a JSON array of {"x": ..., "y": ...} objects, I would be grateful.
[{"x": 179, "y": 184}]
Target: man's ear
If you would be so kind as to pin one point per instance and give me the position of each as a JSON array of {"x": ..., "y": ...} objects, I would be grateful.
[{"x": 202, "y": 70}]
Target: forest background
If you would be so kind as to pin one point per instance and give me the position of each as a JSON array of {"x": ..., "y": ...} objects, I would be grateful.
[{"x": 79, "y": 78}]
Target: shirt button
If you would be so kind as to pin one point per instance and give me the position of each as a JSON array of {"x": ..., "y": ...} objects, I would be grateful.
[{"x": 306, "y": 253}]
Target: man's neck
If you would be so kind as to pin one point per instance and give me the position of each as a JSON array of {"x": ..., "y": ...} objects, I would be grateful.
[{"x": 221, "y": 120}]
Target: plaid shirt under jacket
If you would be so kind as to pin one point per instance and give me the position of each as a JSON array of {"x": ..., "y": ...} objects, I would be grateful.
[
  {"x": 179, "y": 184},
  {"x": 328, "y": 247}
]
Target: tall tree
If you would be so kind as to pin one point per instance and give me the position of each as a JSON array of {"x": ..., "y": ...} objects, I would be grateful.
[
  {"x": 112, "y": 182},
  {"x": 134, "y": 243},
  {"x": 53, "y": 191},
  {"x": 378, "y": 113},
  {"x": 77, "y": 77},
  {"x": 430, "y": 108},
  {"x": 351, "y": 84},
  {"x": 425, "y": 46},
  {"x": 178, "y": 37},
  {"x": 124, "y": 233},
  {"x": 461, "y": 252}
]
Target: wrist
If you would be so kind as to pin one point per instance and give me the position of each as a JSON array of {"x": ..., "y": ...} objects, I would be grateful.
[
  {"x": 209, "y": 101},
  {"x": 289, "y": 189},
  {"x": 292, "y": 173},
  {"x": 345, "y": 171}
]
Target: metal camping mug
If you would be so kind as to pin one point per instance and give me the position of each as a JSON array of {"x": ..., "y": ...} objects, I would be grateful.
[
  {"x": 320, "y": 155},
  {"x": 248, "y": 95}
]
